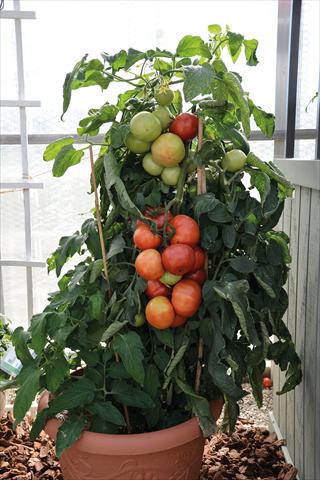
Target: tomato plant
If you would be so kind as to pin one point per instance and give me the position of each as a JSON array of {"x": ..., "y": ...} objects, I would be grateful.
[
  {"x": 206, "y": 223},
  {"x": 185, "y": 126}
]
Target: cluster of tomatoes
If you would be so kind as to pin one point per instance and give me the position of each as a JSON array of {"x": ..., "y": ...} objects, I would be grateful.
[
  {"x": 163, "y": 149},
  {"x": 174, "y": 273}
]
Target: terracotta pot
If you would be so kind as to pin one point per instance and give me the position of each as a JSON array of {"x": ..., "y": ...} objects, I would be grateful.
[{"x": 171, "y": 454}]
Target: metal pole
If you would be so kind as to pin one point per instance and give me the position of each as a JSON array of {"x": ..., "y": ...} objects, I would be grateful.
[{"x": 295, "y": 21}]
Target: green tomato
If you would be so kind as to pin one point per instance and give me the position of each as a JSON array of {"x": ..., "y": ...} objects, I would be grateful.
[
  {"x": 170, "y": 175},
  {"x": 145, "y": 126},
  {"x": 170, "y": 279},
  {"x": 150, "y": 166},
  {"x": 163, "y": 95},
  {"x": 234, "y": 161},
  {"x": 139, "y": 319},
  {"x": 137, "y": 146},
  {"x": 163, "y": 115}
]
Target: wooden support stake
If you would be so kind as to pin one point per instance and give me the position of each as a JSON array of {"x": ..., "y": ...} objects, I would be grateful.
[
  {"x": 104, "y": 261},
  {"x": 201, "y": 188}
]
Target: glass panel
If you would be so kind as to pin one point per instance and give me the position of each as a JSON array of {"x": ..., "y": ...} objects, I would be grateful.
[
  {"x": 9, "y": 81},
  {"x": 10, "y": 162},
  {"x": 308, "y": 64},
  {"x": 47, "y": 62},
  {"x": 263, "y": 149},
  {"x": 305, "y": 149},
  {"x": 15, "y": 295},
  {"x": 9, "y": 120},
  {"x": 12, "y": 225}
]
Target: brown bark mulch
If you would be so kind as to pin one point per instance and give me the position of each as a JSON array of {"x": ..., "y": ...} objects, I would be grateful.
[
  {"x": 251, "y": 453},
  {"x": 21, "y": 459}
]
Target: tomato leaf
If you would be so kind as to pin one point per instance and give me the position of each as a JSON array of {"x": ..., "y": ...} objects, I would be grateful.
[
  {"x": 128, "y": 395},
  {"x": 265, "y": 121},
  {"x": 130, "y": 348},
  {"x": 56, "y": 372},
  {"x": 80, "y": 392},
  {"x": 235, "y": 41},
  {"x": 54, "y": 148},
  {"x": 67, "y": 157},
  {"x": 250, "y": 49},
  {"x": 107, "y": 412},
  {"x": 69, "y": 432},
  {"x": 191, "y": 46},
  {"x": 67, "y": 86},
  {"x": 27, "y": 391},
  {"x": 243, "y": 264},
  {"x": 238, "y": 96},
  {"x": 200, "y": 407},
  {"x": 198, "y": 80},
  {"x": 68, "y": 246}
]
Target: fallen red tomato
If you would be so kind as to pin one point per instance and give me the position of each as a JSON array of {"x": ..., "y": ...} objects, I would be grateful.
[{"x": 266, "y": 382}]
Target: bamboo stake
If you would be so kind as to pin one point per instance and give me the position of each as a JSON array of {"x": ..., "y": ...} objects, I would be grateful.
[
  {"x": 201, "y": 188},
  {"x": 104, "y": 261}
]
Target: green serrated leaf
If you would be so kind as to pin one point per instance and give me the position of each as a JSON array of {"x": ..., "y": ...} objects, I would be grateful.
[
  {"x": 243, "y": 264},
  {"x": 250, "y": 49},
  {"x": 191, "y": 46},
  {"x": 132, "y": 397},
  {"x": 79, "y": 393},
  {"x": 235, "y": 41},
  {"x": 56, "y": 372},
  {"x": 114, "y": 328},
  {"x": 130, "y": 348},
  {"x": 198, "y": 80},
  {"x": 54, "y": 148},
  {"x": 19, "y": 340},
  {"x": 67, "y": 157},
  {"x": 69, "y": 432},
  {"x": 28, "y": 390},
  {"x": 107, "y": 412},
  {"x": 238, "y": 96}
]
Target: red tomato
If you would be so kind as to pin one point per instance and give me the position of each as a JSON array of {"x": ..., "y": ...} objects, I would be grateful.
[
  {"x": 149, "y": 265},
  {"x": 178, "y": 259},
  {"x": 187, "y": 230},
  {"x": 266, "y": 382},
  {"x": 178, "y": 321},
  {"x": 157, "y": 289},
  {"x": 186, "y": 298},
  {"x": 200, "y": 259},
  {"x": 185, "y": 126},
  {"x": 160, "y": 313},
  {"x": 144, "y": 238},
  {"x": 200, "y": 276},
  {"x": 157, "y": 215}
]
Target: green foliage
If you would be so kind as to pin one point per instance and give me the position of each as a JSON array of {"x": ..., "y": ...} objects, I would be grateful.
[{"x": 88, "y": 325}]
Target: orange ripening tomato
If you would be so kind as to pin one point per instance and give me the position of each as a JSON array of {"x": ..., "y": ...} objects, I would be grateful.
[
  {"x": 155, "y": 288},
  {"x": 178, "y": 259},
  {"x": 178, "y": 321},
  {"x": 186, "y": 297},
  {"x": 187, "y": 230},
  {"x": 200, "y": 276},
  {"x": 160, "y": 313},
  {"x": 199, "y": 259},
  {"x": 144, "y": 238},
  {"x": 149, "y": 265}
]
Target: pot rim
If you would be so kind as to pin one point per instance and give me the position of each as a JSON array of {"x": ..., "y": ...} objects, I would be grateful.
[{"x": 129, "y": 444}]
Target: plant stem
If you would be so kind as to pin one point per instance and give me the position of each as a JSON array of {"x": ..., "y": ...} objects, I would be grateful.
[
  {"x": 201, "y": 188},
  {"x": 104, "y": 259},
  {"x": 100, "y": 230}
]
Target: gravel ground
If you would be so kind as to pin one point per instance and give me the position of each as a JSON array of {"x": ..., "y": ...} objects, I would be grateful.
[{"x": 250, "y": 411}]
